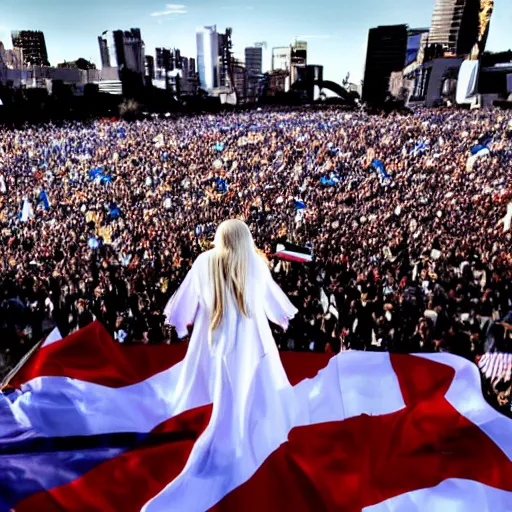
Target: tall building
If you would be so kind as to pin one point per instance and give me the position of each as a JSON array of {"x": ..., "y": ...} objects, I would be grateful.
[
  {"x": 416, "y": 40},
  {"x": 299, "y": 59},
  {"x": 191, "y": 68},
  {"x": 129, "y": 51},
  {"x": 281, "y": 64},
  {"x": 281, "y": 58},
  {"x": 455, "y": 26},
  {"x": 207, "y": 57},
  {"x": 224, "y": 58},
  {"x": 239, "y": 80},
  {"x": 254, "y": 69},
  {"x": 214, "y": 58},
  {"x": 163, "y": 63},
  {"x": 33, "y": 46},
  {"x": 386, "y": 53},
  {"x": 149, "y": 64},
  {"x": 104, "y": 50}
]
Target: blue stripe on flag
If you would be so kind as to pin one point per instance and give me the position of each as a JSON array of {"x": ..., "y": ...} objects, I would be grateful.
[{"x": 41, "y": 464}]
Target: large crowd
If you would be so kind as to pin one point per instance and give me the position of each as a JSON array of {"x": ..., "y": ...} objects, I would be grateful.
[{"x": 103, "y": 220}]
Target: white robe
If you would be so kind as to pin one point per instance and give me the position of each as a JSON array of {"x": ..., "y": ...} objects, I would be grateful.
[{"x": 240, "y": 373}]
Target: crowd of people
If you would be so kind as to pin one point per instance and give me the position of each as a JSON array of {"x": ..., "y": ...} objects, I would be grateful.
[{"x": 409, "y": 234}]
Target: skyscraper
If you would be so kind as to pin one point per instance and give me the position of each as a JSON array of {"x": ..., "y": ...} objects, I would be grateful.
[
  {"x": 163, "y": 63},
  {"x": 208, "y": 57},
  {"x": 33, "y": 46},
  {"x": 224, "y": 58},
  {"x": 281, "y": 58},
  {"x": 281, "y": 64},
  {"x": 129, "y": 51},
  {"x": 104, "y": 50},
  {"x": 455, "y": 25},
  {"x": 385, "y": 54},
  {"x": 416, "y": 39},
  {"x": 299, "y": 59},
  {"x": 254, "y": 69},
  {"x": 239, "y": 80}
]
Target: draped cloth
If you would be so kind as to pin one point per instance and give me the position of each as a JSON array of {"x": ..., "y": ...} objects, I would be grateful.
[{"x": 240, "y": 372}]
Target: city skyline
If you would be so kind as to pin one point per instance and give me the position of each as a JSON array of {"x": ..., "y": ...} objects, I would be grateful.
[{"x": 336, "y": 34}]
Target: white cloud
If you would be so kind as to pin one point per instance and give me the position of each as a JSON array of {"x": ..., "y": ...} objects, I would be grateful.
[{"x": 171, "y": 9}]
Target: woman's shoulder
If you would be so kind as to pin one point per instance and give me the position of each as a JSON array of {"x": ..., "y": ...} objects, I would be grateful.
[{"x": 203, "y": 259}]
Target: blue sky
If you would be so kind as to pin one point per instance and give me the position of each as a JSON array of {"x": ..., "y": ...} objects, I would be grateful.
[{"x": 336, "y": 30}]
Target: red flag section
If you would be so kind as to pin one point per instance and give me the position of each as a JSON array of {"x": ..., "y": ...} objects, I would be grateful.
[{"x": 344, "y": 465}]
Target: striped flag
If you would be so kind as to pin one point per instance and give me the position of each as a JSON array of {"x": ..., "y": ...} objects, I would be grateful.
[
  {"x": 94, "y": 426},
  {"x": 291, "y": 252},
  {"x": 496, "y": 367}
]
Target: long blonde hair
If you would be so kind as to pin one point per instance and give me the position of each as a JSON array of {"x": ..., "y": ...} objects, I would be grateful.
[{"x": 229, "y": 264}]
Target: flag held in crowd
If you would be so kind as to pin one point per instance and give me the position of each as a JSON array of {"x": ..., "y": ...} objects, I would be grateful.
[
  {"x": 114, "y": 211},
  {"x": 93, "y": 425},
  {"x": 380, "y": 168},
  {"x": 27, "y": 212},
  {"x": 420, "y": 148},
  {"x": 43, "y": 199},
  {"x": 496, "y": 366},
  {"x": 93, "y": 243},
  {"x": 222, "y": 186},
  {"x": 98, "y": 175},
  {"x": 94, "y": 173},
  {"x": 477, "y": 152},
  {"x": 219, "y": 146},
  {"x": 291, "y": 252},
  {"x": 330, "y": 181},
  {"x": 159, "y": 140},
  {"x": 299, "y": 204}
]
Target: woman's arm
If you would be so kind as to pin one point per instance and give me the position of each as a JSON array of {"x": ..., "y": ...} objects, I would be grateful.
[
  {"x": 181, "y": 309},
  {"x": 278, "y": 308}
]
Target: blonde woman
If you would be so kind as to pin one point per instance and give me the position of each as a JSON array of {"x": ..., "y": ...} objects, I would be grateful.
[{"x": 232, "y": 361}]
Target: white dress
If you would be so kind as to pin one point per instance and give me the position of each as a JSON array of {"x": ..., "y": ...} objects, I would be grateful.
[{"x": 240, "y": 372}]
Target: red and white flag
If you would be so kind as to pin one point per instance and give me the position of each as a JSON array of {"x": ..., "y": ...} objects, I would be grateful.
[{"x": 93, "y": 427}]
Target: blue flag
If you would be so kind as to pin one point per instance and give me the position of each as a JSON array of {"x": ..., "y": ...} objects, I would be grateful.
[
  {"x": 381, "y": 171},
  {"x": 330, "y": 181},
  {"x": 221, "y": 185},
  {"x": 93, "y": 173},
  {"x": 419, "y": 148},
  {"x": 43, "y": 198},
  {"x": 93, "y": 243},
  {"x": 299, "y": 205},
  {"x": 114, "y": 212},
  {"x": 479, "y": 147},
  {"x": 219, "y": 146}
]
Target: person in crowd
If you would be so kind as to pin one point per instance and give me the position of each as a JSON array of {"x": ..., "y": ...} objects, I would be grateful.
[{"x": 410, "y": 250}]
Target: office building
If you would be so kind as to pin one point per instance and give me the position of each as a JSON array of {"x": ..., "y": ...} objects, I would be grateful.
[
  {"x": 239, "y": 80},
  {"x": 149, "y": 65},
  {"x": 129, "y": 51},
  {"x": 163, "y": 63},
  {"x": 298, "y": 59},
  {"x": 104, "y": 50},
  {"x": 207, "y": 57},
  {"x": 281, "y": 65},
  {"x": 417, "y": 39},
  {"x": 32, "y": 45},
  {"x": 386, "y": 53},
  {"x": 455, "y": 25},
  {"x": 281, "y": 58},
  {"x": 254, "y": 69},
  {"x": 214, "y": 58},
  {"x": 224, "y": 58}
]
